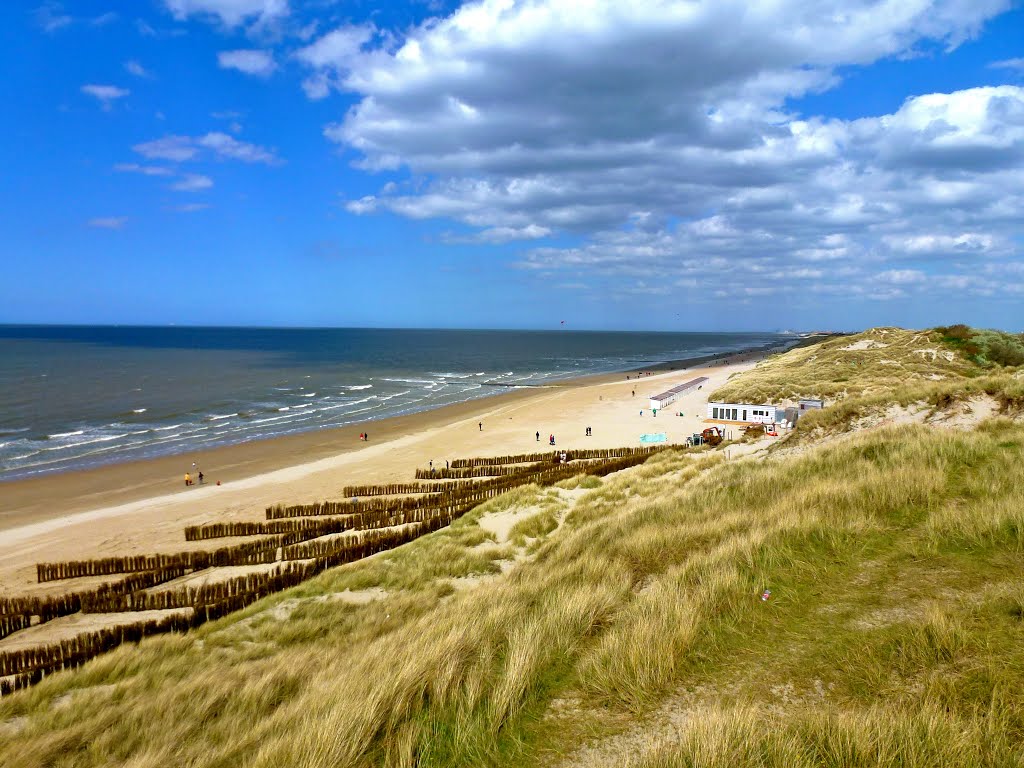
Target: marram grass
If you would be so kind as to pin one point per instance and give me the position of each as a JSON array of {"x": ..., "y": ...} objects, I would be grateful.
[{"x": 894, "y": 632}]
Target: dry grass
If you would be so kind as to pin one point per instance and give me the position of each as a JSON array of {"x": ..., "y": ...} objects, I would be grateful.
[{"x": 877, "y": 361}]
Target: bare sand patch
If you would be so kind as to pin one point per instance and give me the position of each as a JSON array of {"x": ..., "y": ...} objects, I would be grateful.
[{"x": 864, "y": 344}]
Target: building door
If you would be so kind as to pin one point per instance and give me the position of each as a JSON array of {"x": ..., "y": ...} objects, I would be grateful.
[{"x": 744, "y": 414}]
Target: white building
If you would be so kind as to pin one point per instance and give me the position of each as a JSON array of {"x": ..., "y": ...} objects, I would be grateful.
[
  {"x": 657, "y": 402},
  {"x": 748, "y": 413}
]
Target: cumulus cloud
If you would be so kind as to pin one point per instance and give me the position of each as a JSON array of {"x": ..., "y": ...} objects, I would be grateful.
[
  {"x": 106, "y": 94},
  {"x": 332, "y": 56},
  {"x": 231, "y": 13},
  {"x": 214, "y": 144},
  {"x": 251, "y": 62},
  {"x": 663, "y": 136},
  {"x": 108, "y": 222}
]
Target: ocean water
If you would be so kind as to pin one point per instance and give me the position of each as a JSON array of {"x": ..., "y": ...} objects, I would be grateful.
[{"x": 77, "y": 396}]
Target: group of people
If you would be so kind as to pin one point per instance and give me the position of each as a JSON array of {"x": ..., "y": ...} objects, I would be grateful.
[
  {"x": 364, "y": 436},
  {"x": 188, "y": 478},
  {"x": 551, "y": 437}
]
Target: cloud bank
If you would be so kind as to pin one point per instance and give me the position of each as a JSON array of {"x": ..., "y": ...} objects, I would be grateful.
[{"x": 668, "y": 139}]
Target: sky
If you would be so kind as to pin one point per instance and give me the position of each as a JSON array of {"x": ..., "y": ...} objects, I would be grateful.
[{"x": 718, "y": 165}]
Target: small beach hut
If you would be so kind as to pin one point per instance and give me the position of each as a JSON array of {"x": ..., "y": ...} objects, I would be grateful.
[{"x": 662, "y": 399}]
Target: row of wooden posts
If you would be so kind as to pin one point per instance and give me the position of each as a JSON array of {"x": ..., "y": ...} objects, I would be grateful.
[
  {"x": 467, "y": 472},
  {"x": 251, "y": 553},
  {"x": 533, "y": 458},
  {"x": 292, "y": 541},
  {"x": 396, "y": 489},
  {"x": 16, "y": 613}
]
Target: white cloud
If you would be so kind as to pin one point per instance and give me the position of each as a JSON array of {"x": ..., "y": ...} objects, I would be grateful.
[
  {"x": 228, "y": 147},
  {"x": 145, "y": 170},
  {"x": 108, "y": 222},
  {"x": 332, "y": 57},
  {"x": 106, "y": 94},
  {"x": 659, "y": 135},
  {"x": 104, "y": 19},
  {"x": 216, "y": 144},
  {"x": 231, "y": 13},
  {"x": 189, "y": 207},
  {"x": 51, "y": 16},
  {"x": 133, "y": 67},
  {"x": 174, "y": 148},
  {"x": 251, "y": 62},
  {"x": 1017, "y": 64},
  {"x": 192, "y": 182},
  {"x": 900, "y": 276},
  {"x": 942, "y": 244}
]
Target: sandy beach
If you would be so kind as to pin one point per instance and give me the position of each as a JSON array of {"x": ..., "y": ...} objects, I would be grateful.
[{"x": 142, "y": 507}]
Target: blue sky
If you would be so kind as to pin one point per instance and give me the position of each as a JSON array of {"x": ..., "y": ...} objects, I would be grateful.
[{"x": 681, "y": 166}]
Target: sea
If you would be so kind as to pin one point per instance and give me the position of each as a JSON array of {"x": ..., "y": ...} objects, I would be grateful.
[{"x": 79, "y": 396}]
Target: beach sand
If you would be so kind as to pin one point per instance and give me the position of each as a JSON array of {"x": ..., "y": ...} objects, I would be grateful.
[{"x": 142, "y": 507}]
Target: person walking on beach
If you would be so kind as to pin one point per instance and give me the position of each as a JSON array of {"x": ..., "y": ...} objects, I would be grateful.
[
  {"x": 538, "y": 436},
  {"x": 481, "y": 425},
  {"x": 200, "y": 477},
  {"x": 188, "y": 479}
]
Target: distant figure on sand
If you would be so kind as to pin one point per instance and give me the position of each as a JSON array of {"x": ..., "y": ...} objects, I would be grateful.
[
  {"x": 200, "y": 477},
  {"x": 481, "y": 425},
  {"x": 538, "y": 436},
  {"x": 551, "y": 440},
  {"x": 188, "y": 479}
]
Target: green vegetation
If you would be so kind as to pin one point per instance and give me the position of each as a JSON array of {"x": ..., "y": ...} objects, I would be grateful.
[
  {"x": 893, "y": 633},
  {"x": 985, "y": 347}
]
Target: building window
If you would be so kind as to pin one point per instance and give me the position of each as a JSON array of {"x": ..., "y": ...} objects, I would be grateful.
[{"x": 714, "y": 412}]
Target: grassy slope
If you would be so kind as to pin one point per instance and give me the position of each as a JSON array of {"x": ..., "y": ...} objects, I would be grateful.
[
  {"x": 894, "y": 358},
  {"x": 895, "y": 632}
]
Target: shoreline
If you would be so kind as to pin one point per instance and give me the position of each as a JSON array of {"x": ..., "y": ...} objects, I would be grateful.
[
  {"x": 142, "y": 508},
  {"x": 24, "y": 499}
]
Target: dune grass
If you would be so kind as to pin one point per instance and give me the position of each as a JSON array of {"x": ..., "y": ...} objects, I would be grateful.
[
  {"x": 877, "y": 361},
  {"x": 894, "y": 633}
]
